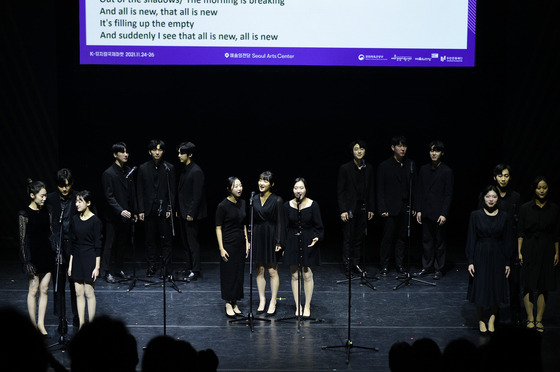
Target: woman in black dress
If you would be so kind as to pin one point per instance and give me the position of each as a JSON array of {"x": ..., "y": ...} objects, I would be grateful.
[
  {"x": 304, "y": 228},
  {"x": 231, "y": 233},
  {"x": 36, "y": 253},
  {"x": 489, "y": 240},
  {"x": 538, "y": 237},
  {"x": 85, "y": 254},
  {"x": 267, "y": 230}
]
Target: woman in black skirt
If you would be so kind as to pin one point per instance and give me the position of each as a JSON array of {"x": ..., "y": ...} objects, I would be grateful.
[
  {"x": 304, "y": 228},
  {"x": 231, "y": 233},
  {"x": 35, "y": 251},
  {"x": 85, "y": 254},
  {"x": 538, "y": 237}
]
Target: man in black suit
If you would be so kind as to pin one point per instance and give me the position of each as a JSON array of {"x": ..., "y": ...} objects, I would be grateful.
[
  {"x": 62, "y": 207},
  {"x": 355, "y": 195},
  {"x": 119, "y": 193},
  {"x": 393, "y": 202},
  {"x": 192, "y": 207},
  {"x": 434, "y": 193},
  {"x": 156, "y": 197}
]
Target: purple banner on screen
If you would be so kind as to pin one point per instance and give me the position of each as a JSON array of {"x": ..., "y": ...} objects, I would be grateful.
[{"x": 277, "y": 56}]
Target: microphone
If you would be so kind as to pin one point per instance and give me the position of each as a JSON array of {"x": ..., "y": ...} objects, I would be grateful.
[
  {"x": 131, "y": 171},
  {"x": 411, "y": 167},
  {"x": 298, "y": 196},
  {"x": 251, "y": 199}
]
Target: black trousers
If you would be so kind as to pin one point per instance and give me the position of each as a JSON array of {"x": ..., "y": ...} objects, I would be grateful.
[
  {"x": 117, "y": 242},
  {"x": 354, "y": 235},
  {"x": 60, "y": 291},
  {"x": 158, "y": 236},
  {"x": 189, "y": 236},
  {"x": 394, "y": 234},
  {"x": 433, "y": 244}
]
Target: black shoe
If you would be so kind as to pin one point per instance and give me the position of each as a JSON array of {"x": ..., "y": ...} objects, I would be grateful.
[
  {"x": 422, "y": 272},
  {"x": 384, "y": 271},
  {"x": 76, "y": 321},
  {"x": 62, "y": 326},
  {"x": 193, "y": 276},
  {"x": 121, "y": 274},
  {"x": 401, "y": 271},
  {"x": 151, "y": 271},
  {"x": 438, "y": 275},
  {"x": 109, "y": 278}
]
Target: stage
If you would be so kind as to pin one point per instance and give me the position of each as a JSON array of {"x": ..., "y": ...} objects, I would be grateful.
[{"x": 379, "y": 318}]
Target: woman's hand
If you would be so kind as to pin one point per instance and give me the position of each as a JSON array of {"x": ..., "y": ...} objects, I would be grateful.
[
  {"x": 520, "y": 259},
  {"x": 278, "y": 248},
  {"x": 95, "y": 274},
  {"x": 313, "y": 242},
  {"x": 508, "y": 269},
  {"x": 556, "y": 259},
  {"x": 224, "y": 255},
  {"x": 471, "y": 270}
]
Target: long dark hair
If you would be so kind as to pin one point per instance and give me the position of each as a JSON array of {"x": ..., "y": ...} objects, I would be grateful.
[{"x": 87, "y": 196}]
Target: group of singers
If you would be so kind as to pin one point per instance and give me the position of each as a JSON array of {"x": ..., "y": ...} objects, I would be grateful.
[{"x": 511, "y": 248}]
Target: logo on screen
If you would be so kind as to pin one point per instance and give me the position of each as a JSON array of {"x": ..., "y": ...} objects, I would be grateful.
[
  {"x": 226, "y": 55},
  {"x": 361, "y": 57}
]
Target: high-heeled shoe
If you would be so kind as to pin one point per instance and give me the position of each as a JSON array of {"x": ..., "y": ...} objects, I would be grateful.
[
  {"x": 539, "y": 326},
  {"x": 237, "y": 311},
  {"x": 261, "y": 310},
  {"x": 480, "y": 328},
  {"x": 229, "y": 315},
  {"x": 273, "y": 312},
  {"x": 491, "y": 325}
]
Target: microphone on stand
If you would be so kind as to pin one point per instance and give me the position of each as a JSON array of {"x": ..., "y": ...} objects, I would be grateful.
[
  {"x": 131, "y": 171},
  {"x": 166, "y": 166},
  {"x": 251, "y": 199},
  {"x": 411, "y": 167},
  {"x": 61, "y": 215}
]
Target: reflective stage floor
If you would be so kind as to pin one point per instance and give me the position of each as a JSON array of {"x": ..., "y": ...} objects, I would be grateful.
[{"x": 380, "y": 316}]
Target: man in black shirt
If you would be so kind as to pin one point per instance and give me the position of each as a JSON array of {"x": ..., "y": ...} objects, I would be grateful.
[
  {"x": 118, "y": 189},
  {"x": 156, "y": 196},
  {"x": 355, "y": 195},
  {"x": 62, "y": 207},
  {"x": 394, "y": 177},
  {"x": 192, "y": 207},
  {"x": 435, "y": 189}
]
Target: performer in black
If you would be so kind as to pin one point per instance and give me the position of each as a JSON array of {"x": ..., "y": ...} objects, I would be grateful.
[
  {"x": 393, "y": 192},
  {"x": 509, "y": 201},
  {"x": 266, "y": 239},
  {"x": 538, "y": 250},
  {"x": 156, "y": 196},
  {"x": 435, "y": 190},
  {"x": 36, "y": 252},
  {"x": 231, "y": 233},
  {"x": 488, "y": 254},
  {"x": 302, "y": 215},
  {"x": 62, "y": 207},
  {"x": 85, "y": 254},
  {"x": 355, "y": 195},
  {"x": 192, "y": 208},
  {"x": 118, "y": 189}
]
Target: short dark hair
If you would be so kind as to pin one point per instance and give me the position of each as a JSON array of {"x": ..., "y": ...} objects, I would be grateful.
[
  {"x": 437, "y": 145},
  {"x": 64, "y": 175},
  {"x": 230, "y": 181},
  {"x": 489, "y": 188},
  {"x": 498, "y": 169},
  {"x": 153, "y": 144},
  {"x": 399, "y": 140},
  {"x": 267, "y": 176},
  {"x": 359, "y": 142},
  {"x": 119, "y": 147},
  {"x": 188, "y": 148}
]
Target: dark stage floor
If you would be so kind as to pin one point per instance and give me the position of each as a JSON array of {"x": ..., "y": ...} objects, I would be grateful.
[{"x": 380, "y": 318}]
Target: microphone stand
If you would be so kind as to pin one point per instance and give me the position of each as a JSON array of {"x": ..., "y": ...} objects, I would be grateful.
[
  {"x": 167, "y": 277},
  {"x": 349, "y": 344},
  {"x": 250, "y": 317},
  {"x": 364, "y": 278},
  {"x": 134, "y": 278},
  {"x": 407, "y": 279},
  {"x": 62, "y": 340},
  {"x": 299, "y": 317}
]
